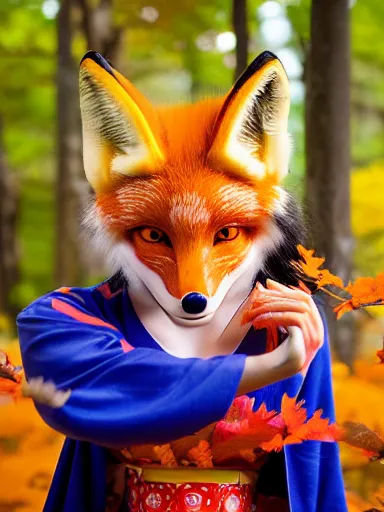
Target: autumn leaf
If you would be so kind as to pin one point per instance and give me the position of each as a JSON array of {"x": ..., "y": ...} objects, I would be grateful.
[
  {"x": 366, "y": 290},
  {"x": 343, "y": 308},
  {"x": 292, "y": 413},
  {"x": 241, "y": 409},
  {"x": 201, "y": 455},
  {"x": 275, "y": 444},
  {"x": 310, "y": 264},
  {"x": 166, "y": 456},
  {"x": 243, "y": 436},
  {"x": 242, "y": 421},
  {"x": 242, "y": 429},
  {"x": 326, "y": 279},
  {"x": 363, "y": 292},
  {"x": 294, "y": 427},
  {"x": 181, "y": 446},
  {"x": 310, "y": 267},
  {"x": 319, "y": 429}
]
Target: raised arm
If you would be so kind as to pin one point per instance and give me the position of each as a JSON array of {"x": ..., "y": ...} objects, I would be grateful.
[
  {"x": 119, "y": 394},
  {"x": 122, "y": 395}
]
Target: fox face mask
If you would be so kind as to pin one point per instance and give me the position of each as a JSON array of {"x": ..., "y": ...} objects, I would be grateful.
[{"x": 188, "y": 198}]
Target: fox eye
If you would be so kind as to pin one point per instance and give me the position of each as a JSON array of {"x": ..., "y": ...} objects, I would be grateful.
[
  {"x": 152, "y": 235},
  {"x": 226, "y": 234}
]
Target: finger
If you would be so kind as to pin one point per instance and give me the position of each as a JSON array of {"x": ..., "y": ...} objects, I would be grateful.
[
  {"x": 265, "y": 294},
  {"x": 284, "y": 319},
  {"x": 294, "y": 293},
  {"x": 271, "y": 296},
  {"x": 272, "y": 307},
  {"x": 268, "y": 296},
  {"x": 303, "y": 296},
  {"x": 282, "y": 304}
]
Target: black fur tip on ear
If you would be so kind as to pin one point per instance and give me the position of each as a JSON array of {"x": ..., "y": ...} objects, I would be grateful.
[
  {"x": 99, "y": 59},
  {"x": 259, "y": 62}
]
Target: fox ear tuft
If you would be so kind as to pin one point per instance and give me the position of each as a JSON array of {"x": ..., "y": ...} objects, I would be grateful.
[
  {"x": 116, "y": 118},
  {"x": 251, "y": 130}
]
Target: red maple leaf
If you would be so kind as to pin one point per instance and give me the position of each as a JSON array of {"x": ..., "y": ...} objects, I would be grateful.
[{"x": 242, "y": 429}]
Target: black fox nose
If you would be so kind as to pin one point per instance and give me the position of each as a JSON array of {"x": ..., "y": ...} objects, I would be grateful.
[{"x": 194, "y": 303}]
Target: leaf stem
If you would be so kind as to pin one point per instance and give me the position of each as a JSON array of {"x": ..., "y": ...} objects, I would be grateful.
[{"x": 331, "y": 294}]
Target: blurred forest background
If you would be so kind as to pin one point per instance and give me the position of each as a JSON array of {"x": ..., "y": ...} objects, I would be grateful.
[{"x": 176, "y": 51}]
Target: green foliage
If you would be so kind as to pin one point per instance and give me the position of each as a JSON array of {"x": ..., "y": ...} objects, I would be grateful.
[{"x": 164, "y": 60}]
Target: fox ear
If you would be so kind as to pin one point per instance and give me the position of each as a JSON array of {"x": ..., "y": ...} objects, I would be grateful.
[
  {"x": 117, "y": 138},
  {"x": 251, "y": 130}
]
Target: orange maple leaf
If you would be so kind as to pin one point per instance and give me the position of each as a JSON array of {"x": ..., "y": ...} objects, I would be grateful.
[
  {"x": 292, "y": 413},
  {"x": 380, "y": 355},
  {"x": 275, "y": 444},
  {"x": 310, "y": 266},
  {"x": 294, "y": 428},
  {"x": 319, "y": 429},
  {"x": 366, "y": 290},
  {"x": 342, "y": 308},
  {"x": 166, "y": 456},
  {"x": 201, "y": 455}
]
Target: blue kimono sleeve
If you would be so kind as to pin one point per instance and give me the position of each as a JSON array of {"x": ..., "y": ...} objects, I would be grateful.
[{"x": 120, "y": 395}]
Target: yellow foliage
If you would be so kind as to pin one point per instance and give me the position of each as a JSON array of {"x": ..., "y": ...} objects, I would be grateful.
[
  {"x": 368, "y": 219},
  {"x": 367, "y": 200},
  {"x": 5, "y": 323},
  {"x": 373, "y": 373},
  {"x": 357, "y": 504},
  {"x": 359, "y": 398}
]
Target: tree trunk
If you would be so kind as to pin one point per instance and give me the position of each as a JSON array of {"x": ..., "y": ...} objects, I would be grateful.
[
  {"x": 9, "y": 254},
  {"x": 240, "y": 27},
  {"x": 73, "y": 263},
  {"x": 328, "y": 146},
  {"x": 100, "y": 30},
  {"x": 70, "y": 182}
]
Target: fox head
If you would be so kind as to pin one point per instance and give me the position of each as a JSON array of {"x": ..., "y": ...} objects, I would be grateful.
[{"x": 189, "y": 197}]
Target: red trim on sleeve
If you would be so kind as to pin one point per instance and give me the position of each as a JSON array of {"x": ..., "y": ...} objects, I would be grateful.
[
  {"x": 74, "y": 313},
  {"x": 126, "y": 346}
]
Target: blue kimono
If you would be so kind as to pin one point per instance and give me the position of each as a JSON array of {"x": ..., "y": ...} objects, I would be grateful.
[{"x": 126, "y": 390}]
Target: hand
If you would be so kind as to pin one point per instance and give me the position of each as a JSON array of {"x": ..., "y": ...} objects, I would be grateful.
[
  {"x": 280, "y": 306},
  {"x": 283, "y": 362}
]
